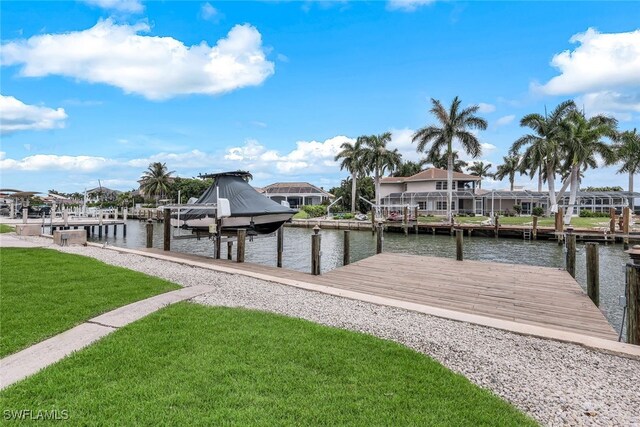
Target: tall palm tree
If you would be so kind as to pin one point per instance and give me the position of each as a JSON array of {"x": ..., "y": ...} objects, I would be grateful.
[
  {"x": 543, "y": 146},
  {"x": 442, "y": 161},
  {"x": 583, "y": 140},
  {"x": 454, "y": 126},
  {"x": 351, "y": 159},
  {"x": 509, "y": 167},
  {"x": 156, "y": 180},
  {"x": 628, "y": 152},
  {"x": 481, "y": 170},
  {"x": 378, "y": 158}
]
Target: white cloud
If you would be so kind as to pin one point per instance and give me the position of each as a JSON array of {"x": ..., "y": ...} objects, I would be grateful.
[
  {"x": 505, "y": 120},
  {"x": 41, "y": 162},
  {"x": 600, "y": 62},
  {"x": 155, "y": 67},
  {"x": 210, "y": 13},
  {"x": 17, "y": 116},
  {"x": 189, "y": 159},
  {"x": 407, "y": 5},
  {"x": 282, "y": 58},
  {"x": 620, "y": 105},
  {"x": 487, "y": 147},
  {"x": 130, "y": 6},
  {"x": 486, "y": 108}
]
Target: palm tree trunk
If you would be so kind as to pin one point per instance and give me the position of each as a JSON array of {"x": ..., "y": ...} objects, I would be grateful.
[
  {"x": 572, "y": 195},
  {"x": 552, "y": 188},
  {"x": 376, "y": 179},
  {"x": 631, "y": 201},
  {"x": 353, "y": 193},
  {"x": 511, "y": 181},
  {"x": 540, "y": 179},
  {"x": 449, "y": 185}
]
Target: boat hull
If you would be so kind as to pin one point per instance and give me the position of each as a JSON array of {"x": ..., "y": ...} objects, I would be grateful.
[{"x": 263, "y": 224}]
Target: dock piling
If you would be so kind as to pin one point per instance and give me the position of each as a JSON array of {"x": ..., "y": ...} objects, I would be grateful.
[
  {"x": 315, "y": 251},
  {"x": 459, "y": 244},
  {"x": 379, "y": 238},
  {"x": 280, "y": 238},
  {"x": 373, "y": 221},
  {"x": 571, "y": 252},
  {"x": 593, "y": 272},
  {"x": 242, "y": 235},
  {"x": 405, "y": 220},
  {"x": 534, "y": 227},
  {"x": 167, "y": 229},
  {"x": 149, "y": 228},
  {"x": 229, "y": 250},
  {"x": 612, "y": 221},
  {"x": 632, "y": 294},
  {"x": 346, "y": 255}
]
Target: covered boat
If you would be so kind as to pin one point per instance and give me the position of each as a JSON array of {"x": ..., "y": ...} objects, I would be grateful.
[{"x": 248, "y": 208}]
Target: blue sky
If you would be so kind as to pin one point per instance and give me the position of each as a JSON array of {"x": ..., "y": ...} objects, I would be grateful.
[{"x": 98, "y": 89}]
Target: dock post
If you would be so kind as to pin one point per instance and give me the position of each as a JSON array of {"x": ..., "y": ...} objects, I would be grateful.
[
  {"x": 315, "y": 251},
  {"x": 632, "y": 294},
  {"x": 229, "y": 250},
  {"x": 242, "y": 235},
  {"x": 373, "y": 221},
  {"x": 346, "y": 255},
  {"x": 100, "y": 231},
  {"x": 534, "y": 228},
  {"x": 218, "y": 238},
  {"x": 571, "y": 252},
  {"x": 280, "y": 244},
  {"x": 124, "y": 229},
  {"x": 593, "y": 272},
  {"x": 167, "y": 229},
  {"x": 115, "y": 229},
  {"x": 497, "y": 224},
  {"x": 560, "y": 225},
  {"x": 612, "y": 221},
  {"x": 459, "y": 244},
  {"x": 149, "y": 227},
  {"x": 380, "y": 238},
  {"x": 415, "y": 216},
  {"x": 625, "y": 227},
  {"x": 405, "y": 220},
  {"x": 106, "y": 230}
]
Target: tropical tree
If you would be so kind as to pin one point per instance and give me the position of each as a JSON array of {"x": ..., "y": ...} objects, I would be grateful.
[
  {"x": 156, "y": 180},
  {"x": 442, "y": 161},
  {"x": 509, "y": 167},
  {"x": 454, "y": 126},
  {"x": 351, "y": 159},
  {"x": 628, "y": 153},
  {"x": 583, "y": 140},
  {"x": 410, "y": 168},
  {"x": 543, "y": 151},
  {"x": 378, "y": 159},
  {"x": 481, "y": 170}
]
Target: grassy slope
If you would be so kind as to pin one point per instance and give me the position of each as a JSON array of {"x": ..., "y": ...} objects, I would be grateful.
[
  {"x": 4, "y": 228},
  {"x": 45, "y": 292},
  {"x": 194, "y": 365}
]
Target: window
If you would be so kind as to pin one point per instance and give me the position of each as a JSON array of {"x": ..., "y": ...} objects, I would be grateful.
[
  {"x": 422, "y": 206},
  {"x": 441, "y": 185},
  {"x": 442, "y": 206}
]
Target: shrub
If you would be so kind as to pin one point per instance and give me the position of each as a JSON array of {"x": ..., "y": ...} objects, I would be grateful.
[
  {"x": 584, "y": 213},
  {"x": 538, "y": 211},
  {"x": 472, "y": 214},
  {"x": 315, "y": 211},
  {"x": 348, "y": 216},
  {"x": 517, "y": 209}
]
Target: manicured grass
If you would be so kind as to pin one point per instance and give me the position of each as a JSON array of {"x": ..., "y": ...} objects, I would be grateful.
[
  {"x": 4, "y": 228},
  {"x": 45, "y": 292},
  {"x": 577, "y": 222},
  {"x": 195, "y": 365},
  {"x": 301, "y": 215}
]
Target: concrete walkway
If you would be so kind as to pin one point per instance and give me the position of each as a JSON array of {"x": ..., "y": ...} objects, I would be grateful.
[
  {"x": 10, "y": 240},
  {"x": 27, "y": 362}
]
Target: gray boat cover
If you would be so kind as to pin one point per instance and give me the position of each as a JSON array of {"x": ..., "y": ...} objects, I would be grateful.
[{"x": 244, "y": 200}]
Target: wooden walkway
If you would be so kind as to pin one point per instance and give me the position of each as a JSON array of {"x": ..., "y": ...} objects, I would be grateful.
[{"x": 530, "y": 295}]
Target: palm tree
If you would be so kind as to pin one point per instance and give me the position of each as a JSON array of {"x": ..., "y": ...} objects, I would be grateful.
[
  {"x": 583, "y": 140},
  {"x": 480, "y": 170},
  {"x": 454, "y": 126},
  {"x": 351, "y": 160},
  {"x": 156, "y": 180},
  {"x": 442, "y": 162},
  {"x": 509, "y": 167},
  {"x": 543, "y": 152},
  {"x": 377, "y": 158},
  {"x": 410, "y": 168},
  {"x": 628, "y": 152}
]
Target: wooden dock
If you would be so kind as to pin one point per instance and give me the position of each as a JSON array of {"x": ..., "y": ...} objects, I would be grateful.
[{"x": 527, "y": 295}]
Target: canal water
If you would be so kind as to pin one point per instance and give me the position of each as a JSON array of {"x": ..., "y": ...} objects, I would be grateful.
[{"x": 297, "y": 253}]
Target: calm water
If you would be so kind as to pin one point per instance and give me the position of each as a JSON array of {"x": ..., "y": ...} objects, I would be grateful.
[{"x": 297, "y": 253}]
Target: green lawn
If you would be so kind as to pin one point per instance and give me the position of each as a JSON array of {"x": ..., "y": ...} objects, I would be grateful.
[
  {"x": 4, "y": 228},
  {"x": 195, "y": 365},
  {"x": 45, "y": 292},
  {"x": 301, "y": 215},
  {"x": 576, "y": 222}
]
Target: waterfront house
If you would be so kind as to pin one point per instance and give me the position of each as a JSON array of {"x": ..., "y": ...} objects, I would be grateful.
[{"x": 296, "y": 193}]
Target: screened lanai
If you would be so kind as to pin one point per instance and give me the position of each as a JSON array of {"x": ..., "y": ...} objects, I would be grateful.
[
  {"x": 296, "y": 193},
  {"x": 434, "y": 202}
]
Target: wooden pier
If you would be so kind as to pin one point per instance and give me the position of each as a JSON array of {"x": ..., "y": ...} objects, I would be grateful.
[{"x": 535, "y": 296}]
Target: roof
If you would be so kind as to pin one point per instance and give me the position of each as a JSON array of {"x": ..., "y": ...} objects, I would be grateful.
[
  {"x": 293, "y": 188},
  {"x": 431, "y": 174},
  {"x": 103, "y": 190}
]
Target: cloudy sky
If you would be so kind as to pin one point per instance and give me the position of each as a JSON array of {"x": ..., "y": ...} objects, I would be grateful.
[{"x": 97, "y": 89}]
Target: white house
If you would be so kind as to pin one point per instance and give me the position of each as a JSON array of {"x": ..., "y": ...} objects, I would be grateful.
[{"x": 296, "y": 193}]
